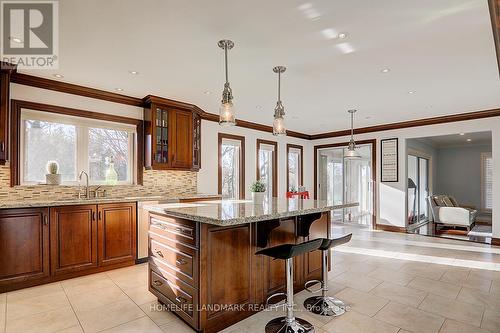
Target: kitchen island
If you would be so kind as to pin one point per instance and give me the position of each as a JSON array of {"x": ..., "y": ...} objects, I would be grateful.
[{"x": 202, "y": 263}]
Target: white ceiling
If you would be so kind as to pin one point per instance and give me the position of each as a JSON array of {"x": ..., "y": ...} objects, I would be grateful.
[
  {"x": 459, "y": 139},
  {"x": 441, "y": 49}
]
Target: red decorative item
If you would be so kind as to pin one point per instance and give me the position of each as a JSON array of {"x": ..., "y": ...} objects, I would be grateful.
[{"x": 303, "y": 195}]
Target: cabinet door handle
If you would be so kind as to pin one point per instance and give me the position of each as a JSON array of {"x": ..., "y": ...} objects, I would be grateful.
[
  {"x": 180, "y": 262},
  {"x": 93, "y": 216},
  {"x": 45, "y": 220},
  {"x": 99, "y": 215},
  {"x": 158, "y": 252},
  {"x": 2, "y": 146},
  {"x": 157, "y": 283},
  {"x": 181, "y": 300}
]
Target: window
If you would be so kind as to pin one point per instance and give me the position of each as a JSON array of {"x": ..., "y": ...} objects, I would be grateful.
[
  {"x": 77, "y": 144},
  {"x": 267, "y": 165},
  {"x": 487, "y": 181},
  {"x": 231, "y": 166},
  {"x": 294, "y": 167}
]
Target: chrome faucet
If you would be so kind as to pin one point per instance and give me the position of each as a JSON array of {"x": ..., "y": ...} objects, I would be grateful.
[{"x": 87, "y": 190}]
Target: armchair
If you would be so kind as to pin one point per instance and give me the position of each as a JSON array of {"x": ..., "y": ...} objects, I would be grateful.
[{"x": 446, "y": 211}]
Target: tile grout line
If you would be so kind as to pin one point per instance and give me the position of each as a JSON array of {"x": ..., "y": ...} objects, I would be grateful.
[{"x": 72, "y": 308}]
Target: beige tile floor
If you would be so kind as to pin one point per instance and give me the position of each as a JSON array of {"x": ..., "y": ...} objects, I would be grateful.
[{"x": 391, "y": 283}]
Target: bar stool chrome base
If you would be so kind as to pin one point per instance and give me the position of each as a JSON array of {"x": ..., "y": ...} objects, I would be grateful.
[
  {"x": 325, "y": 306},
  {"x": 297, "y": 325}
]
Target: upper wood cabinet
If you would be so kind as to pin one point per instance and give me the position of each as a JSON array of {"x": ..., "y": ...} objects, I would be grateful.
[
  {"x": 5, "y": 73},
  {"x": 172, "y": 135}
]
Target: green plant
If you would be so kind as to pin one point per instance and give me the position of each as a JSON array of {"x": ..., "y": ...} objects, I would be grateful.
[
  {"x": 258, "y": 186},
  {"x": 52, "y": 167}
]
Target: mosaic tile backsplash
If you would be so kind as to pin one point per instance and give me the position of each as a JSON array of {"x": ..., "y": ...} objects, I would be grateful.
[{"x": 156, "y": 182}]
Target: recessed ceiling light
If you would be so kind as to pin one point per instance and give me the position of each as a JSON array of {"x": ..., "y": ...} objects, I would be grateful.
[
  {"x": 133, "y": 72},
  {"x": 16, "y": 40},
  {"x": 411, "y": 92},
  {"x": 207, "y": 92},
  {"x": 385, "y": 70},
  {"x": 342, "y": 35},
  {"x": 59, "y": 76},
  {"x": 367, "y": 117},
  {"x": 469, "y": 140},
  {"x": 462, "y": 134},
  {"x": 258, "y": 107},
  {"x": 119, "y": 89}
]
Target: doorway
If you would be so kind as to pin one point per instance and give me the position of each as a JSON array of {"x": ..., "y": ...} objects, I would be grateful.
[
  {"x": 340, "y": 180},
  {"x": 418, "y": 190}
]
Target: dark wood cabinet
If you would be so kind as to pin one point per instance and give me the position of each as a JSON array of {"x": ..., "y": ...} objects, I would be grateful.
[
  {"x": 117, "y": 232},
  {"x": 73, "y": 238},
  {"x": 172, "y": 135},
  {"x": 24, "y": 246},
  {"x": 5, "y": 73}
]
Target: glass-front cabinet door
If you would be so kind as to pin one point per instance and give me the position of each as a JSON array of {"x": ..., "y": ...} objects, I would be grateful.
[{"x": 162, "y": 124}]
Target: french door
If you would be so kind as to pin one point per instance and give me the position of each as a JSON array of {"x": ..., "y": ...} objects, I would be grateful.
[{"x": 418, "y": 189}]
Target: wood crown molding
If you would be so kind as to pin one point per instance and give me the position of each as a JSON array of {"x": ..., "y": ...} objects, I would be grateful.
[
  {"x": 494, "y": 6},
  {"x": 412, "y": 123},
  {"x": 74, "y": 89},
  {"x": 44, "y": 83}
]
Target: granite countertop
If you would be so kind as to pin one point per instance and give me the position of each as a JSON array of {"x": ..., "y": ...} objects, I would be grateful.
[
  {"x": 233, "y": 212},
  {"x": 75, "y": 201}
]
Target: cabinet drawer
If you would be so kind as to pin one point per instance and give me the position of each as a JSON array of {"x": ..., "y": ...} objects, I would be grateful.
[
  {"x": 179, "y": 297},
  {"x": 180, "y": 259},
  {"x": 179, "y": 230}
]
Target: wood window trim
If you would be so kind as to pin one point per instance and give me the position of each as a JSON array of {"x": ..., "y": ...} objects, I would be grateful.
[
  {"x": 222, "y": 136},
  {"x": 301, "y": 162},
  {"x": 373, "y": 142},
  {"x": 275, "y": 163},
  {"x": 15, "y": 135}
]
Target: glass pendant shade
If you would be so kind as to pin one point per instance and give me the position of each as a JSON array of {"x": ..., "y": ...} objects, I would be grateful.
[
  {"x": 226, "y": 114},
  {"x": 279, "y": 128}
]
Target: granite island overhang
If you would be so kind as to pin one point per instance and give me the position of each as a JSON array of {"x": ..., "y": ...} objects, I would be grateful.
[{"x": 202, "y": 262}]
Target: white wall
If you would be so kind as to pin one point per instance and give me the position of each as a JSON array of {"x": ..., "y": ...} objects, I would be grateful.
[
  {"x": 392, "y": 201},
  {"x": 207, "y": 176}
]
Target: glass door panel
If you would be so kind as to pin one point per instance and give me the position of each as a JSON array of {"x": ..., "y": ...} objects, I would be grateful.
[{"x": 418, "y": 189}]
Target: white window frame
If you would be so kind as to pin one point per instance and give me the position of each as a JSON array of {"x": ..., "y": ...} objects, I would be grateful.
[
  {"x": 484, "y": 157},
  {"x": 269, "y": 149},
  {"x": 82, "y": 143},
  {"x": 236, "y": 164}
]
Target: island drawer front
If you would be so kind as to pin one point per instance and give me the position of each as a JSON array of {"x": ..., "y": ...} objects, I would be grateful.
[
  {"x": 179, "y": 230},
  {"x": 177, "y": 258},
  {"x": 182, "y": 298}
]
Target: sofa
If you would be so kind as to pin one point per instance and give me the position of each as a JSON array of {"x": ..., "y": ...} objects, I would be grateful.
[{"x": 446, "y": 211}]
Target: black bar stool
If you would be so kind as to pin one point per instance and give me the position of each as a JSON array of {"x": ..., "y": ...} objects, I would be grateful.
[
  {"x": 289, "y": 323},
  {"x": 325, "y": 305}
]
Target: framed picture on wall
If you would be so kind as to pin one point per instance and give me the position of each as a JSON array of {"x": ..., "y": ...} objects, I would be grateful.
[{"x": 389, "y": 160}]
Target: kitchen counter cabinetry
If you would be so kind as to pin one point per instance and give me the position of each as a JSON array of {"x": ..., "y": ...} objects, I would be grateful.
[{"x": 84, "y": 239}]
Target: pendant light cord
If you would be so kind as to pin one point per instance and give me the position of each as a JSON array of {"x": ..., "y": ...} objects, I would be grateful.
[
  {"x": 279, "y": 86},
  {"x": 352, "y": 125},
  {"x": 225, "y": 57}
]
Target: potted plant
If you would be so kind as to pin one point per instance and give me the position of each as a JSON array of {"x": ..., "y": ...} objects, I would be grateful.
[
  {"x": 52, "y": 177},
  {"x": 258, "y": 190}
]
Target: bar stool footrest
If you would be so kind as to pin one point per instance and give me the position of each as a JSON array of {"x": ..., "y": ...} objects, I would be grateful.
[
  {"x": 274, "y": 306},
  {"x": 281, "y": 325},
  {"x": 325, "y": 306},
  {"x": 311, "y": 282}
]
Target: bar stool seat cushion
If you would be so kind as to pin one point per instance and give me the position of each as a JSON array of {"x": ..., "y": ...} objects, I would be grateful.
[{"x": 287, "y": 251}]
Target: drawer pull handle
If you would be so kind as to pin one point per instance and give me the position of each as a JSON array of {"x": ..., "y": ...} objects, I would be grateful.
[
  {"x": 183, "y": 231},
  {"x": 180, "y": 262},
  {"x": 181, "y": 300},
  {"x": 158, "y": 252},
  {"x": 157, "y": 283}
]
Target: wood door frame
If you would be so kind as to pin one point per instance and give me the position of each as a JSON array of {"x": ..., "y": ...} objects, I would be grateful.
[
  {"x": 15, "y": 135},
  {"x": 301, "y": 173},
  {"x": 373, "y": 142},
  {"x": 275, "y": 163},
  {"x": 240, "y": 138}
]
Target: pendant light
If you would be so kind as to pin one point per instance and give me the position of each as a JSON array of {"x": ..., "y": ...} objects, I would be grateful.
[
  {"x": 279, "y": 111},
  {"x": 351, "y": 150},
  {"x": 226, "y": 110}
]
